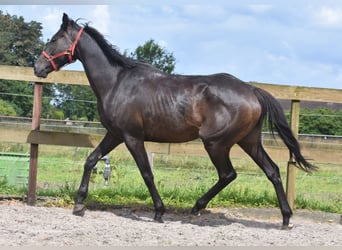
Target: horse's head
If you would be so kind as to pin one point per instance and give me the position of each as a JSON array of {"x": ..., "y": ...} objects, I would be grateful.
[{"x": 60, "y": 50}]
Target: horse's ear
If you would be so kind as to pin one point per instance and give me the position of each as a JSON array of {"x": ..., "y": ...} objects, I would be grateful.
[{"x": 65, "y": 21}]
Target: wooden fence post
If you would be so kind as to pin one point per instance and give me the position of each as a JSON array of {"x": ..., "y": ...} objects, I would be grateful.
[
  {"x": 37, "y": 109},
  {"x": 291, "y": 166}
]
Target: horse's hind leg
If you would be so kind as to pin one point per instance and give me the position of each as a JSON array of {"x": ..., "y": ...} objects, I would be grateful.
[
  {"x": 107, "y": 144},
  {"x": 259, "y": 155},
  {"x": 219, "y": 156}
]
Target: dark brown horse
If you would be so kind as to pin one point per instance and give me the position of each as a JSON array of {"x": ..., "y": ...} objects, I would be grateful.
[{"x": 138, "y": 103}]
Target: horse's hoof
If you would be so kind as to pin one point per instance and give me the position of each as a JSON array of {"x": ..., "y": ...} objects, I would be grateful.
[
  {"x": 79, "y": 210},
  {"x": 287, "y": 227},
  {"x": 195, "y": 212},
  {"x": 159, "y": 218}
]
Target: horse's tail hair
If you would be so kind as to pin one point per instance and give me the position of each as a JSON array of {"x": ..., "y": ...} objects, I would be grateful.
[{"x": 273, "y": 113}]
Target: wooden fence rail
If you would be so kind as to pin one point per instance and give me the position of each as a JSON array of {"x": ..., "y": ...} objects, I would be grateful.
[
  {"x": 36, "y": 136},
  {"x": 285, "y": 92}
]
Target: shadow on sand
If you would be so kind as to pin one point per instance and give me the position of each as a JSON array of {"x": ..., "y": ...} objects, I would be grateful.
[{"x": 208, "y": 217}]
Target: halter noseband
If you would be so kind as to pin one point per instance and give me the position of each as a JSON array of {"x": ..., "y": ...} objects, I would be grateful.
[{"x": 69, "y": 52}]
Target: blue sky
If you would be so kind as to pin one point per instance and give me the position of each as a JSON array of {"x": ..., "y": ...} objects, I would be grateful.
[{"x": 282, "y": 42}]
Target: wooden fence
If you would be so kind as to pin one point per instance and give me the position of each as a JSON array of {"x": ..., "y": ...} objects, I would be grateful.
[{"x": 35, "y": 136}]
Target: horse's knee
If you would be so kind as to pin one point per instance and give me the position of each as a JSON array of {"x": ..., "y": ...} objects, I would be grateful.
[{"x": 90, "y": 162}]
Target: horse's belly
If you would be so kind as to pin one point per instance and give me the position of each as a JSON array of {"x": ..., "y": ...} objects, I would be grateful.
[{"x": 170, "y": 133}]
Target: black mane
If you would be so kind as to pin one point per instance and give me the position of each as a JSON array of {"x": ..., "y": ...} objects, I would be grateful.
[{"x": 110, "y": 52}]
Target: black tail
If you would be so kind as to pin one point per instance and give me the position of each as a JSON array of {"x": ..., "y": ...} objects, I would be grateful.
[{"x": 273, "y": 112}]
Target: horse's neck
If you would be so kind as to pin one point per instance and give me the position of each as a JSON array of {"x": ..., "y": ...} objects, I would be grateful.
[{"x": 101, "y": 74}]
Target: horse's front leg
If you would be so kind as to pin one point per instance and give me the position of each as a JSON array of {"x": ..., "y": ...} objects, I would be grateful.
[
  {"x": 138, "y": 151},
  {"x": 107, "y": 144}
]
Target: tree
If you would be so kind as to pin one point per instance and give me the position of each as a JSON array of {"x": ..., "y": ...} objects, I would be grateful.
[
  {"x": 77, "y": 102},
  {"x": 322, "y": 121},
  {"x": 20, "y": 42},
  {"x": 152, "y": 53},
  {"x": 6, "y": 108},
  {"x": 20, "y": 45}
]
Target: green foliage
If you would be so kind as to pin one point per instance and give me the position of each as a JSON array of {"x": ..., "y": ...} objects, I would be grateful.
[
  {"x": 154, "y": 54},
  {"x": 6, "y": 108},
  {"x": 20, "y": 42},
  {"x": 322, "y": 121},
  {"x": 20, "y": 45},
  {"x": 57, "y": 114},
  {"x": 19, "y": 94},
  {"x": 76, "y": 101},
  {"x": 319, "y": 121}
]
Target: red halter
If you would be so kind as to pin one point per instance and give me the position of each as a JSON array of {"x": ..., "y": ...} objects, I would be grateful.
[{"x": 69, "y": 52}]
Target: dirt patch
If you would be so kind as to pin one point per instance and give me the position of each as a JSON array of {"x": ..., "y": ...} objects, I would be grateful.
[{"x": 22, "y": 225}]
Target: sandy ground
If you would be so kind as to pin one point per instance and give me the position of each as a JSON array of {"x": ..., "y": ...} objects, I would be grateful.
[{"x": 22, "y": 225}]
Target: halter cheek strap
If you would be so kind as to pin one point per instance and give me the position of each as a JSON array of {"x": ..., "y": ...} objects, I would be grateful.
[{"x": 69, "y": 52}]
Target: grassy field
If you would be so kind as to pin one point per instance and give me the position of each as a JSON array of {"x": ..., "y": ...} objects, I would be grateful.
[{"x": 181, "y": 180}]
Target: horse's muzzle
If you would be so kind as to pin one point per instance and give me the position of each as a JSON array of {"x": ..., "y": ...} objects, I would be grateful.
[{"x": 40, "y": 71}]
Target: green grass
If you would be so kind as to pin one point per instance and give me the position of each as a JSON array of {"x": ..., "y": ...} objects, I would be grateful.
[{"x": 180, "y": 181}]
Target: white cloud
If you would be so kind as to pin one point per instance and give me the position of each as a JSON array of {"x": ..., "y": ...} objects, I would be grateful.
[
  {"x": 52, "y": 21},
  {"x": 329, "y": 17},
  {"x": 204, "y": 11},
  {"x": 52, "y": 15},
  {"x": 239, "y": 22},
  {"x": 260, "y": 8},
  {"x": 168, "y": 10},
  {"x": 162, "y": 43},
  {"x": 101, "y": 18}
]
